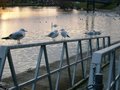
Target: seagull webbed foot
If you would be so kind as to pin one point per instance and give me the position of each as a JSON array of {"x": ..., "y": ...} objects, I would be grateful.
[{"x": 18, "y": 42}]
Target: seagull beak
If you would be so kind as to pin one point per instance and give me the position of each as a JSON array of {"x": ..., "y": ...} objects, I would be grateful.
[{"x": 26, "y": 31}]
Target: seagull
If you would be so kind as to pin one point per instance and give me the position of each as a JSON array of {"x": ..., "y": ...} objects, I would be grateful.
[
  {"x": 64, "y": 33},
  {"x": 53, "y": 34},
  {"x": 16, "y": 35},
  {"x": 93, "y": 32},
  {"x": 53, "y": 26}
]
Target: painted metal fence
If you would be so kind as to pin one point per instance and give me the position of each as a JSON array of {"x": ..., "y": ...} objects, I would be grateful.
[
  {"x": 110, "y": 74},
  {"x": 80, "y": 59}
]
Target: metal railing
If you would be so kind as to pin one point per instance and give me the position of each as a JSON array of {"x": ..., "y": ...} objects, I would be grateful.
[
  {"x": 111, "y": 74},
  {"x": 71, "y": 66}
]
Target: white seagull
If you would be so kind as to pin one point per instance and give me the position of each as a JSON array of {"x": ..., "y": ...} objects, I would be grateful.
[
  {"x": 16, "y": 35},
  {"x": 64, "y": 33},
  {"x": 53, "y": 26},
  {"x": 53, "y": 34}
]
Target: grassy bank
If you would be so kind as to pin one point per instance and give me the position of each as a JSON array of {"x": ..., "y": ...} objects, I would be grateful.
[{"x": 83, "y": 5}]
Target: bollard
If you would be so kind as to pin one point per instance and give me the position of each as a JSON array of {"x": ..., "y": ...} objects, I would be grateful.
[{"x": 98, "y": 81}]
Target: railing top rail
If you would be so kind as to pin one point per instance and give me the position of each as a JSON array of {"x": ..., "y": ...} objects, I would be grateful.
[
  {"x": 49, "y": 42},
  {"x": 98, "y": 54},
  {"x": 105, "y": 50},
  {"x": 113, "y": 71},
  {"x": 96, "y": 61}
]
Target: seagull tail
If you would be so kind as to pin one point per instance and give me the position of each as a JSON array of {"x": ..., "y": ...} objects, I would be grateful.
[
  {"x": 47, "y": 35},
  {"x": 68, "y": 36},
  {"x": 6, "y": 38}
]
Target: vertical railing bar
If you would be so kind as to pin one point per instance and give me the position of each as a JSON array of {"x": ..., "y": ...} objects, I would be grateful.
[
  {"x": 68, "y": 63},
  {"x": 110, "y": 71},
  {"x": 47, "y": 66},
  {"x": 3, "y": 54},
  {"x": 81, "y": 57},
  {"x": 90, "y": 43},
  {"x": 60, "y": 65},
  {"x": 98, "y": 47},
  {"x": 88, "y": 48},
  {"x": 104, "y": 45},
  {"x": 2, "y": 64},
  {"x": 74, "y": 68},
  {"x": 103, "y": 42},
  {"x": 12, "y": 69},
  {"x": 114, "y": 71},
  {"x": 37, "y": 68},
  {"x": 109, "y": 43},
  {"x": 118, "y": 81}
]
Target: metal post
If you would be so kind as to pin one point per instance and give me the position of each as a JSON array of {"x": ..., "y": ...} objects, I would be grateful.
[
  {"x": 103, "y": 42},
  {"x": 98, "y": 81},
  {"x": 3, "y": 52},
  {"x": 75, "y": 66},
  {"x": 90, "y": 43},
  {"x": 113, "y": 70},
  {"x": 81, "y": 56},
  {"x": 12, "y": 69},
  {"x": 111, "y": 75},
  {"x": 47, "y": 66},
  {"x": 118, "y": 81},
  {"x": 98, "y": 47},
  {"x": 37, "y": 68},
  {"x": 60, "y": 66},
  {"x": 68, "y": 63},
  {"x": 109, "y": 43}
]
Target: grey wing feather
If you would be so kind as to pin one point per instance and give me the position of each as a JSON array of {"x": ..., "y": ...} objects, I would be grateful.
[
  {"x": 16, "y": 36},
  {"x": 51, "y": 34},
  {"x": 68, "y": 36}
]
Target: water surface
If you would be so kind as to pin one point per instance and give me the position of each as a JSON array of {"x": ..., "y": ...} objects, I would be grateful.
[{"x": 37, "y": 21}]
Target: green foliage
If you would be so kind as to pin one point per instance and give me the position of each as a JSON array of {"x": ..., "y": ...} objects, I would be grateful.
[
  {"x": 77, "y": 5},
  {"x": 65, "y": 4},
  {"x": 110, "y": 6}
]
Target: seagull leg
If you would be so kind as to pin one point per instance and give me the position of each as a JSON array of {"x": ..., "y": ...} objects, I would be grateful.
[
  {"x": 53, "y": 39},
  {"x": 62, "y": 38},
  {"x": 18, "y": 42}
]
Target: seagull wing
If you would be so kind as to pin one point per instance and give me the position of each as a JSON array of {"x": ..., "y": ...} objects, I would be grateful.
[
  {"x": 68, "y": 36},
  {"x": 64, "y": 34},
  {"x": 16, "y": 36},
  {"x": 5, "y": 38},
  {"x": 51, "y": 34}
]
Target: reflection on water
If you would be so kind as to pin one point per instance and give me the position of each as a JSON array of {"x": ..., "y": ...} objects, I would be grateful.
[
  {"x": 15, "y": 13},
  {"x": 37, "y": 21}
]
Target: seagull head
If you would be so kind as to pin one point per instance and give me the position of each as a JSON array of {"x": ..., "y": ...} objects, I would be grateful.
[
  {"x": 55, "y": 25},
  {"x": 23, "y": 30}
]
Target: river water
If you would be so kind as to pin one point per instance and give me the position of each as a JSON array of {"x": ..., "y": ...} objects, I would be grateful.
[{"x": 37, "y": 21}]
